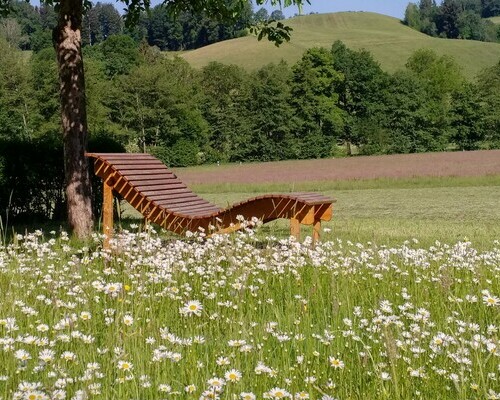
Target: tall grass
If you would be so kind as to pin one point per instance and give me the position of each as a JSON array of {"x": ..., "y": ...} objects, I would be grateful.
[{"x": 247, "y": 316}]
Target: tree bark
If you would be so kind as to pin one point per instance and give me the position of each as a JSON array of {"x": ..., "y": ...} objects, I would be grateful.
[{"x": 67, "y": 38}]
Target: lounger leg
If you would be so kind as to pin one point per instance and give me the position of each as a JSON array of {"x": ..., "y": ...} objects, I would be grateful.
[
  {"x": 295, "y": 228},
  {"x": 107, "y": 214},
  {"x": 316, "y": 230}
]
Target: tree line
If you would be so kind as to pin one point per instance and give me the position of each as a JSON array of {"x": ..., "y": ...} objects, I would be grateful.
[
  {"x": 455, "y": 19},
  {"x": 332, "y": 102},
  {"x": 30, "y": 27}
]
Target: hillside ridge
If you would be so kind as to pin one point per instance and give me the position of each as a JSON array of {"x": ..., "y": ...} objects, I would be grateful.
[{"x": 387, "y": 38}]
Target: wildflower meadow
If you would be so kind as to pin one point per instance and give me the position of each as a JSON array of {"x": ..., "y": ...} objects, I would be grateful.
[{"x": 247, "y": 316}]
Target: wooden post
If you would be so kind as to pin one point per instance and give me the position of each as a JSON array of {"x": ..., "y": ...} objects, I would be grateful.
[
  {"x": 107, "y": 214},
  {"x": 295, "y": 228}
]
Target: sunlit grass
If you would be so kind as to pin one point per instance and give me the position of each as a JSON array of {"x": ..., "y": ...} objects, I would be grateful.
[
  {"x": 353, "y": 184},
  {"x": 495, "y": 20}
]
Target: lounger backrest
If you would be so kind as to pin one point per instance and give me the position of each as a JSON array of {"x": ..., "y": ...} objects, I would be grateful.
[{"x": 151, "y": 179}]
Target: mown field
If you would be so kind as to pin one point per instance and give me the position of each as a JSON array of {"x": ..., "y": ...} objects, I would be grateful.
[
  {"x": 399, "y": 301},
  {"x": 390, "y": 42}
]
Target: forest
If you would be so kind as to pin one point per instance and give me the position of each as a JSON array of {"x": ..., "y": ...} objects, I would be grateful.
[
  {"x": 455, "y": 19},
  {"x": 333, "y": 102}
]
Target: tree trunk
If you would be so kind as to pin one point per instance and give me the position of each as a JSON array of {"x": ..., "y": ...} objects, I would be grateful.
[{"x": 67, "y": 37}]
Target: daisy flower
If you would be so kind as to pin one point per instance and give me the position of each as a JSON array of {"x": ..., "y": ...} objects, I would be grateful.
[
  {"x": 128, "y": 319},
  {"x": 278, "y": 393},
  {"x": 125, "y": 365},
  {"x": 233, "y": 375},
  {"x": 336, "y": 363},
  {"x": 192, "y": 307}
]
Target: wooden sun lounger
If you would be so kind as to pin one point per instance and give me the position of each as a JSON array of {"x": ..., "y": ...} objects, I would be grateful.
[{"x": 153, "y": 190}]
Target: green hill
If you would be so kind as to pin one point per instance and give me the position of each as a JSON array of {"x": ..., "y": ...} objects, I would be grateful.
[{"x": 387, "y": 38}]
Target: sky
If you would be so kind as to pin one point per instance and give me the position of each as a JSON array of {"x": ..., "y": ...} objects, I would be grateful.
[{"x": 394, "y": 8}]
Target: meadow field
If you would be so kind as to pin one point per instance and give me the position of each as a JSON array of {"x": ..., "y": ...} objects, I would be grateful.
[{"x": 400, "y": 299}]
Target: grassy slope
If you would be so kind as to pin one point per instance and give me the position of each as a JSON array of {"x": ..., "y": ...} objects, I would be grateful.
[
  {"x": 495, "y": 20},
  {"x": 387, "y": 38}
]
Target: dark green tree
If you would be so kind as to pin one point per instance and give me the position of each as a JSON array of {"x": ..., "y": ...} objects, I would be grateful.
[
  {"x": 120, "y": 54},
  {"x": 467, "y": 118},
  {"x": 406, "y": 117},
  {"x": 428, "y": 15},
  {"x": 489, "y": 92},
  {"x": 261, "y": 15},
  {"x": 163, "y": 30},
  {"x": 101, "y": 22},
  {"x": 471, "y": 26},
  {"x": 359, "y": 92},
  {"x": 315, "y": 101},
  {"x": 472, "y": 6},
  {"x": 158, "y": 106},
  {"x": 189, "y": 30},
  {"x": 412, "y": 16},
  {"x": 99, "y": 90},
  {"x": 17, "y": 112},
  {"x": 490, "y": 8},
  {"x": 226, "y": 89},
  {"x": 440, "y": 77},
  {"x": 272, "y": 116},
  {"x": 448, "y": 19},
  {"x": 46, "y": 92},
  {"x": 277, "y": 15}
]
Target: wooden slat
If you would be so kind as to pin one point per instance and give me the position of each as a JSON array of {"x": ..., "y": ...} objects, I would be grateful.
[
  {"x": 205, "y": 214},
  {"x": 152, "y": 183},
  {"x": 118, "y": 158},
  {"x": 141, "y": 164},
  {"x": 150, "y": 171},
  {"x": 199, "y": 207},
  {"x": 207, "y": 210},
  {"x": 179, "y": 191},
  {"x": 135, "y": 177},
  {"x": 158, "y": 175},
  {"x": 174, "y": 186},
  {"x": 190, "y": 209},
  {"x": 186, "y": 203},
  {"x": 164, "y": 199},
  {"x": 168, "y": 193},
  {"x": 129, "y": 155}
]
